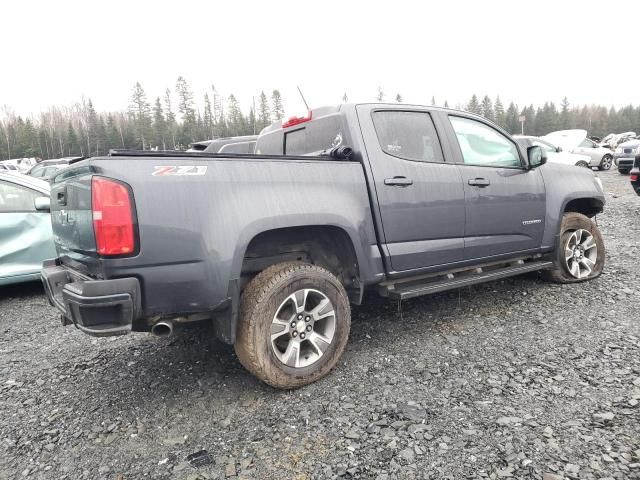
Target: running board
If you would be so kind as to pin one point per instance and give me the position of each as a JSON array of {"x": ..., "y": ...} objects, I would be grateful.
[{"x": 407, "y": 288}]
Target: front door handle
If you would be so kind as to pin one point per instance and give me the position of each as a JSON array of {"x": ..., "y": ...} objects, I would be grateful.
[
  {"x": 479, "y": 182},
  {"x": 398, "y": 181},
  {"x": 61, "y": 197}
]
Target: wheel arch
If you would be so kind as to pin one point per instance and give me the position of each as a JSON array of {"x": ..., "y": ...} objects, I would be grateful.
[
  {"x": 588, "y": 206},
  {"x": 328, "y": 246}
]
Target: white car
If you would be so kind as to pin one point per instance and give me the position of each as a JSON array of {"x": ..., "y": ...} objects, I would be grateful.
[
  {"x": 555, "y": 154},
  {"x": 576, "y": 141}
]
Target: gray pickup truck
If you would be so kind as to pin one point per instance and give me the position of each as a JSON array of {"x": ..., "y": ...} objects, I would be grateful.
[{"x": 273, "y": 247}]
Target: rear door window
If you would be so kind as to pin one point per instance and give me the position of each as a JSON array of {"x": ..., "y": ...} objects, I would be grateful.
[{"x": 408, "y": 135}]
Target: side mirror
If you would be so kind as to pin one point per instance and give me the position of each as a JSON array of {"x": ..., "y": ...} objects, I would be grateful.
[
  {"x": 536, "y": 157},
  {"x": 42, "y": 204}
]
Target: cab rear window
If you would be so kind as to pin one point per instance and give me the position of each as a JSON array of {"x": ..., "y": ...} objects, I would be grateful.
[{"x": 310, "y": 138}]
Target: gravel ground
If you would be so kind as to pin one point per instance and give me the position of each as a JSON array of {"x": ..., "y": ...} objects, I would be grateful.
[{"x": 513, "y": 379}]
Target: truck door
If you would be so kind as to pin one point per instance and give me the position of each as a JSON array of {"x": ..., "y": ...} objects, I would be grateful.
[
  {"x": 420, "y": 195},
  {"x": 504, "y": 200}
]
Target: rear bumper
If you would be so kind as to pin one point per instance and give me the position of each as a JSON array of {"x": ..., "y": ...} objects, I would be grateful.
[{"x": 97, "y": 307}]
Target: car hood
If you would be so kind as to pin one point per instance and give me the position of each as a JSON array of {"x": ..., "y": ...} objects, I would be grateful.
[{"x": 566, "y": 138}]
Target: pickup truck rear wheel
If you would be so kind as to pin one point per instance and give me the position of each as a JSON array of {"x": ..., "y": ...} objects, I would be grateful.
[
  {"x": 581, "y": 253},
  {"x": 293, "y": 325}
]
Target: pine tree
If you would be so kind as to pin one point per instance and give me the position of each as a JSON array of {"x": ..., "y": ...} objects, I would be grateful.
[
  {"x": 512, "y": 124},
  {"x": 235, "y": 119},
  {"x": 487, "y": 108},
  {"x": 159, "y": 125},
  {"x": 170, "y": 120},
  {"x": 433, "y": 101},
  {"x": 185, "y": 101},
  {"x": 218, "y": 109},
  {"x": 277, "y": 110},
  {"x": 187, "y": 111},
  {"x": 380, "y": 95},
  {"x": 252, "y": 122},
  {"x": 446, "y": 104},
  {"x": 500, "y": 117},
  {"x": 72, "y": 141},
  {"x": 27, "y": 139},
  {"x": 345, "y": 98},
  {"x": 140, "y": 111},
  {"x": 398, "y": 98},
  {"x": 93, "y": 142},
  {"x": 474, "y": 106},
  {"x": 529, "y": 126},
  {"x": 101, "y": 134},
  {"x": 264, "y": 116},
  {"x": 208, "y": 116},
  {"x": 565, "y": 122}
]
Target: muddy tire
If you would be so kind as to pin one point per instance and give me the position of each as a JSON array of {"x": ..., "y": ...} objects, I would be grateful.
[
  {"x": 293, "y": 324},
  {"x": 580, "y": 255}
]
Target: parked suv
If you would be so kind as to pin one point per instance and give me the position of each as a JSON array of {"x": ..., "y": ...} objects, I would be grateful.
[
  {"x": 273, "y": 248},
  {"x": 625, "y": 155}
]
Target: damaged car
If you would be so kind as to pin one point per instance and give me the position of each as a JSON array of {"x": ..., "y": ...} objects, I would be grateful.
[{"x": 26, "y": 238}]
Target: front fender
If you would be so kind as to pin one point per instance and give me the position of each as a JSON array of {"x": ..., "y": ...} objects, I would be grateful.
[{"x": 566, "y": 184}]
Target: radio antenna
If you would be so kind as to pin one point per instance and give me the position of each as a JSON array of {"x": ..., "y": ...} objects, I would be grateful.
[{"x": 303, "y": 100}]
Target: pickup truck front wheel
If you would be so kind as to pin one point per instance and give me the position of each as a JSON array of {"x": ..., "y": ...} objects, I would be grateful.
[
  {"x": 581, "y": 253},
  {"x": 293, "y": 325}
]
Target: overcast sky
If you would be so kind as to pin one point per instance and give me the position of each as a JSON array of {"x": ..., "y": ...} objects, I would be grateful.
[{"x": 54, "y": 52}]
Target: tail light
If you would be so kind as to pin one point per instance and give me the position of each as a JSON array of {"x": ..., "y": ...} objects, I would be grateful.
[
  {"x": 113, "y": 224},
  {"x": 634, "y": 177}
]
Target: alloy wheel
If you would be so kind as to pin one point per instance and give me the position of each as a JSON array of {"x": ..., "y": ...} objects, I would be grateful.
[
  {"x": 580, "y": 253},
  {"x": 303, "y": 328}
]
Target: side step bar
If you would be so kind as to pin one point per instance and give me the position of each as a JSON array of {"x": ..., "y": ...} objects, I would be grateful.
[{"x": 406, "y": 288}]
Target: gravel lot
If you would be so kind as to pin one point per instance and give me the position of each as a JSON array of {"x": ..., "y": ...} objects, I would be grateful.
[{"x": 513, "y": 379}]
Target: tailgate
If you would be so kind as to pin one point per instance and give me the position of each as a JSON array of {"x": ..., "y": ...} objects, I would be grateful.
[{"x": 72, "y": 220}]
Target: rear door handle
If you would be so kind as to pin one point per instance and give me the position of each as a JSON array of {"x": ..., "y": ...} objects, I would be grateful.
[
  {"x": 398, "y": 181},
  {"x": 479, "y": 182}
]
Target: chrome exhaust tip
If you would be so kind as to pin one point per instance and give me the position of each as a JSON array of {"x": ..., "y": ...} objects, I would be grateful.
[{"x": 163, "y": 329}]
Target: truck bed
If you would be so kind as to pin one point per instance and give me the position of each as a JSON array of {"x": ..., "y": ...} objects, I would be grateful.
[{"x": 198, "y": 212}]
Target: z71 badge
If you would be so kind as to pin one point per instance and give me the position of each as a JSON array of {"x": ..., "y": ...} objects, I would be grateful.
[{"x": 161, "y": 171}]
